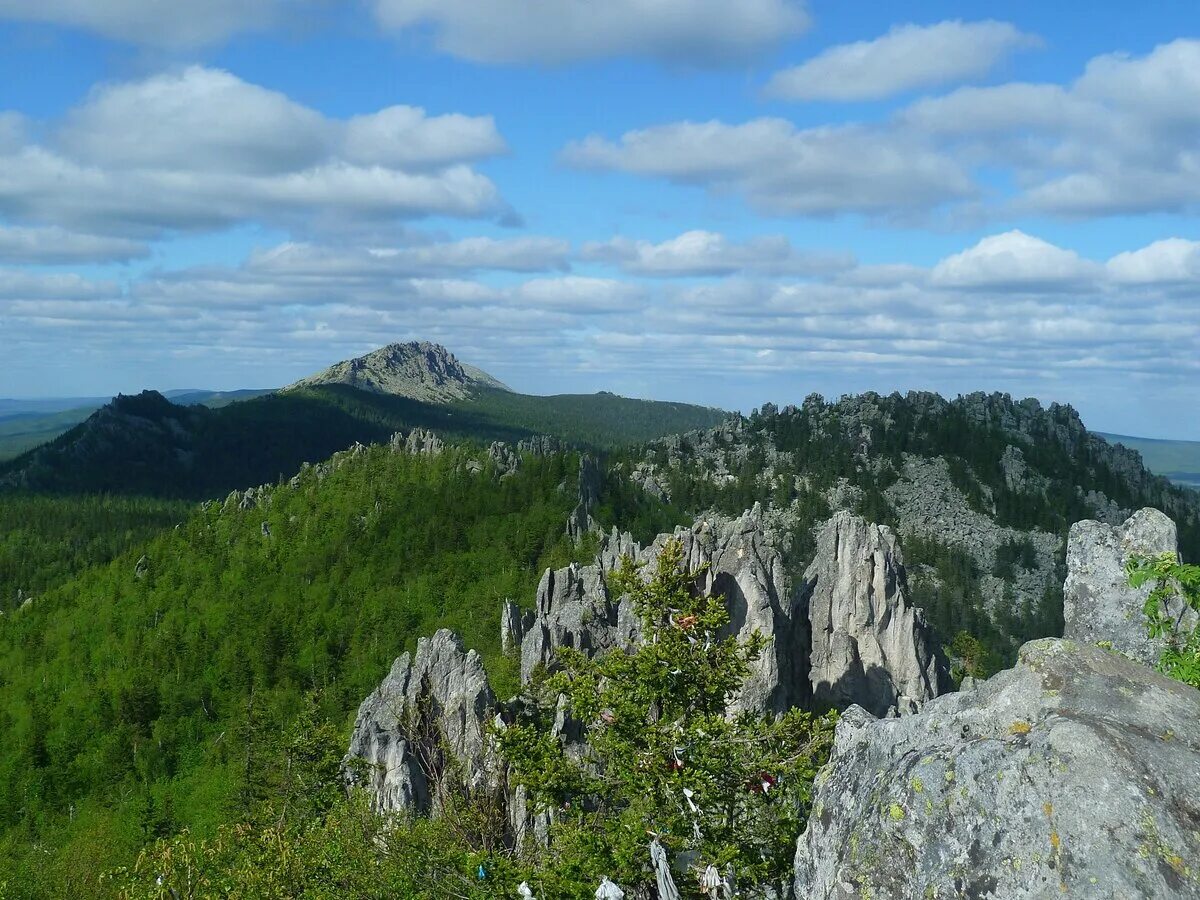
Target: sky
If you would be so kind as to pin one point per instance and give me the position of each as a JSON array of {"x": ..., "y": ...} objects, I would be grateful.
[{"x": 723, "y": 203}]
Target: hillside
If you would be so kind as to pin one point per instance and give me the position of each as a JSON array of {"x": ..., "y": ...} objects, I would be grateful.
[
  {"x": 147, "y": 445},
  {"x": 212, "y": 634},
  {"x": 205, "y": 638},
  {"x": 982, "y": 490},
  {"x": 25, "y": 424},
  {"x": 1177, "y": 460}
]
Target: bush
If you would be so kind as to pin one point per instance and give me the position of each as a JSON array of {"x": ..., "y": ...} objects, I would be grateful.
[{"x": 1181, "y": 657}]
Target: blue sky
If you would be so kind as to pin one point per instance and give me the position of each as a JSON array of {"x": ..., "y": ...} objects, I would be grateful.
[{"x": 687, "y": 199}]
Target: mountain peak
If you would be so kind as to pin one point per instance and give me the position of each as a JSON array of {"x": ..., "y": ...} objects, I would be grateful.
[{"x": 420, "y": 370}]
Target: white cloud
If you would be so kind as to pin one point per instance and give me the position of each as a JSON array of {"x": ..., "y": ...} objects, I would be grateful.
[
  {"x": 1173, "y": 260},
  {"x": 699, "y": 32},
  {"x": 405, "y": 136},
  {"x": 1009, "y": 313},
  {"x": 1015, "y": 260},
  {"x": 202, "y": 149},
  {"x": 19, "y": 285},
  {"x": 784, "y": 170},
  {"x": 523, "y": 254},
  {"x": 580, "y": 295},
  {"x": 707, "y": 253},
  {"x": 1122, "y": 139},
  {"x": 57, "y": 246},
  {"x": 908, "y": 57},
  {"x": 154, "y": 22}
]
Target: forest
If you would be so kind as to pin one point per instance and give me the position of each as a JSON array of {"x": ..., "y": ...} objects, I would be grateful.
[
  {"x": 161, "y": 658},
  {"x": 133, "y": 694}
]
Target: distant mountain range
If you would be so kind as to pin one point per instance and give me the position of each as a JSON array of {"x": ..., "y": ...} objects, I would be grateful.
[
  {"x": 1177, "y": 460},
  {"x": 429, "y": 373},
  {"x": 147, "y": 444}
]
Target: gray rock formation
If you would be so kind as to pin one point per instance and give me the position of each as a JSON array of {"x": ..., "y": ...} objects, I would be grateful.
[
  {"x": 870, "y": 646},
  {"x": 930, "y": 505},
  {"x": 576, "y": 607},
  {"x": 1098, "y": 603},
  {"x": 426, "y": 717},
  {"x": 1076, "y": 773},
  {"x": 418, "y": 370},
  {"x": 1018, "y": 475},
  {"x": 591, "y": 480}
]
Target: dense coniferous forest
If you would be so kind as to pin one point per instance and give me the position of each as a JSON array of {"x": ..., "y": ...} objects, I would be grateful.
[
  {"x": 170, "y": 648},
  {"x": 133, "y": 694},
  {"x": 45, "y": 540},
  {"x": 146, "y": 445}
]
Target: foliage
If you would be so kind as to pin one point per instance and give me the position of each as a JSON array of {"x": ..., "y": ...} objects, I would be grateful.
[
  {"x": 665, "y": 756},
  {"x": 134, "y": 699},
  {"x": 147, "y": 445},
  {"x": 46, "y": 540},
  {"x": 975, "y": 659},
  {"x": 1171, "y": 579}
]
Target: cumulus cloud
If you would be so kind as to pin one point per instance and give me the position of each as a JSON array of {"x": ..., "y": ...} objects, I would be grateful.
[
  {"x": 1010, "y": 312},
  {"x": 152, "y": 22},
  {"x": 908, "y": 57},
  {"x": 1015, "y": 260},
  {"x": 707, "y": 253},
  {"x": 699, "y": 32},
  {"x": 57, "y": 246},
  {"x": 783, "y": 170},
  {"x": 202, "y": 149},
  {"x": 1173, "y": 260},
  {"x": 1120, "y": 140}
]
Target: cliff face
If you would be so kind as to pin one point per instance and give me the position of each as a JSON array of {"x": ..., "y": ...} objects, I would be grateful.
[{"x": 870, "y": 646}]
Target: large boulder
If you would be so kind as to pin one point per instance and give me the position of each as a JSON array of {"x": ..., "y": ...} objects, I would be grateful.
[
  {"x": 870, "y": 645},
  {"x": 424, "y": 723},
  {"x": 1098, "y": 603},
  {"x": 1076, "y": 773}
]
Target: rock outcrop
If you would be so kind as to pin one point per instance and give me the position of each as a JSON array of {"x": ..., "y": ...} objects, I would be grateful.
[
  {"x": 427, "y": 717},
  {"x": 1098, "y": 603},
  {"x": 870, "y": 645},
  {"x": 1076, "y": 773},
  {"x": 576, "y": 607},
  {"x": 591, "y": 480},
  {"x": 418, "y": 370},
  {"x": 928, "y": 504}
]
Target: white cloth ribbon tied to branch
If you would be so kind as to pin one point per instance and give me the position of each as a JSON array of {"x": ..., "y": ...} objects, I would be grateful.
[
  {"x": 662, "y": 872},
  {"x": 608, "y": 890},
  {"x": 712, "y": 884}
]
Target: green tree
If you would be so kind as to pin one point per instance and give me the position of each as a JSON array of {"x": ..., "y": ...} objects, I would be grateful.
[{"x": 665, "y": 757}]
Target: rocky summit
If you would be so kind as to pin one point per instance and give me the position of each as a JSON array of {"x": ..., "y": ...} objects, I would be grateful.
[
  {"x": 418, "y": 370},
  {"x": 1073, "y": 774}
]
